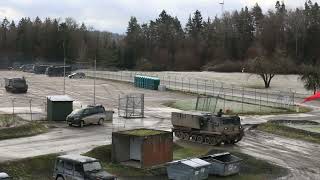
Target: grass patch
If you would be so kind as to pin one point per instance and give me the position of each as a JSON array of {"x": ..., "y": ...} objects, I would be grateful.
[
  {"x": 142, "y": 132},
  {"x": 8, "y": 120},
  {"x": 290, "y": 132},
  {"x": 256, "y": 87},
  {"x": 24, "y": 130},
  {"x": 180, "y": 152},
  {"x": 40, "y": 167},
  {"x": 253, "y": 168}
]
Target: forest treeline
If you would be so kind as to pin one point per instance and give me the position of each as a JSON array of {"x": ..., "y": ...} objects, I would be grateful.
[{"x": 224, "y": 43}]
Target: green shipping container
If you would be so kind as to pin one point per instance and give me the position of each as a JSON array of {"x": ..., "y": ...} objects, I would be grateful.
[{"x": 59, "y": 107}]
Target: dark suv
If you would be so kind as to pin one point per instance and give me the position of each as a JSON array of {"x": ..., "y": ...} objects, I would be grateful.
[{"x": 80, "y": 168}]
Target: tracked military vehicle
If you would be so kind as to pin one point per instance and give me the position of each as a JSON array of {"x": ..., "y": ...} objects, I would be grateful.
[
  {"x": 207, "y": 128},
  {"x": 16, "y": 85}
]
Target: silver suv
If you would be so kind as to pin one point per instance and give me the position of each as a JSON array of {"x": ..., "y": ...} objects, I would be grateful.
[
  {"x": 79, "y": 167},
  {"x": 92, "y": 114}
]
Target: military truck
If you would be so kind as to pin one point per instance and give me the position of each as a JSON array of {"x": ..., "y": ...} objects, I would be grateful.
[
  {"x": 16, "y": 85},
  {"x": 206, "y": 128}
]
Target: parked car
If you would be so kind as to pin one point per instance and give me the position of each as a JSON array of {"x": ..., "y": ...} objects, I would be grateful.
[
  {"x": 4, "y": 176},
  {"x": 40, "y": 69},
  {"x": 58, "y": 71},
  {"x": 92, "y": 114},
  {"x": 27, "y": 68},
  {"x": 80, "y": 168},
  {"x": 77, "y": 75}
]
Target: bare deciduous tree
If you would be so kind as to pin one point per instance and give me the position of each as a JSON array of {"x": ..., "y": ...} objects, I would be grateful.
[{"x": 267, "y": 68}]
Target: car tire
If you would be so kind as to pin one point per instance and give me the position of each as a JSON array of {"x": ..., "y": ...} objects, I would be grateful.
[
  {"x": 81, "y": 124},
  {"x": 100, "y": 122},
  {"x": 70, "y": 124},
  {"x": 59, "y": 178}
]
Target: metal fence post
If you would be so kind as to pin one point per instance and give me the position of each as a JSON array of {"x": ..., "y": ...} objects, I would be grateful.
[
  {"x": 30, "y": 110},
  {"x": 232, "y": 91},
  {"x": 119, "y": 106},
  {"x": 260, "y": 103},
  {"x": 205, "y": 87},
  {"x": 255, "y": 96},
  {"x": 224, "y": 101},
  {"x": 267, "y": 96},
  {"x": 175, "y": 82},
  {"x": 197, "y": 87},
  {"x": 182, "y": 84},
  {"x": 12, "y": 109},
  {"x": 189, "y": 84},
  {"x": 242, "y": 99},
  {"x": 212, "y": 88},
  {"x": 293, "y": 98}
]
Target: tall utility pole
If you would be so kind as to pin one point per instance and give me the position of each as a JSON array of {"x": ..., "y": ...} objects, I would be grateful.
[
  {"x": 94, "y": 81},
  {"x": 64, "y": 69},
  {"x": 222, "y": 7},
  {"x": 95, "y": 69}
]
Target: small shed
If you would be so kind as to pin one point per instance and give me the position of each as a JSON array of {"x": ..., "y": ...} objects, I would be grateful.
[
  {"x": 188, "y": 169},
  {"x": 223, "y": 164},
  {"x": 59, "y": 107},
  {"x": 142, "y": 148}
]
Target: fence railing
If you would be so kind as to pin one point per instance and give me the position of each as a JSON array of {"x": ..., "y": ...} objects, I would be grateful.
[
  {"x": 262, "y": 97},
  {"x": 28, "y": 109}
]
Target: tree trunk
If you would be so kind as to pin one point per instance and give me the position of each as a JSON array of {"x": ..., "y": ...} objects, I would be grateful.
[{"x": 267, "y": 79}]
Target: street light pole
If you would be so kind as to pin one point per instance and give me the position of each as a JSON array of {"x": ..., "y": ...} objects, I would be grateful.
[
  {"x": 64, "y": 69},
  {"x": 222, "y": 7},
  {"x": 94, "y": 81},
  {"x": 95, "y": 69}
]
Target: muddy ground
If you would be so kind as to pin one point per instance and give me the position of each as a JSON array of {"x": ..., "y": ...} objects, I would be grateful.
[{"x": 301, "y": 158}]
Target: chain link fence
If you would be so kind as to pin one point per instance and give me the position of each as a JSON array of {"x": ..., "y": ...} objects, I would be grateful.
[
  {"x": 131, "y": 106},
  {"x": 26, "y": 109},
  {"x": 261, "y": 97}
]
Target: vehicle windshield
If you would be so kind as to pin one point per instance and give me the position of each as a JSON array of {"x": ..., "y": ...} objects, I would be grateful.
[
  {"x": 77, "y": 112},
  {"x": 92, "y": 166}
]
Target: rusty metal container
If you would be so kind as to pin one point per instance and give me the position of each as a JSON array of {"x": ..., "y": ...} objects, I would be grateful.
[{"x": 142, "y": 148}]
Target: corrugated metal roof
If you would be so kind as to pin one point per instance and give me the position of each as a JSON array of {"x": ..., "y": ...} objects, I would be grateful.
[
  {"x": 195, "y": 162},
  {"x": 60, "y": 98},
  {"x": 78, "y": 158}
]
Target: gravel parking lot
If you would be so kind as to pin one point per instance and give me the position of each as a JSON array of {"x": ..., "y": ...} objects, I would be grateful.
[{"x": 301, "y": 158}]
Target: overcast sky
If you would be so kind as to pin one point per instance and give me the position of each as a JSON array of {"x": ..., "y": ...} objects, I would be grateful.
[{"x": 113, "y": 15}]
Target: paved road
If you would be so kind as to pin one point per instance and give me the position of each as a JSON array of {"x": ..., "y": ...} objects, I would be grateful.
[{"x": 301, "y": 158}]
